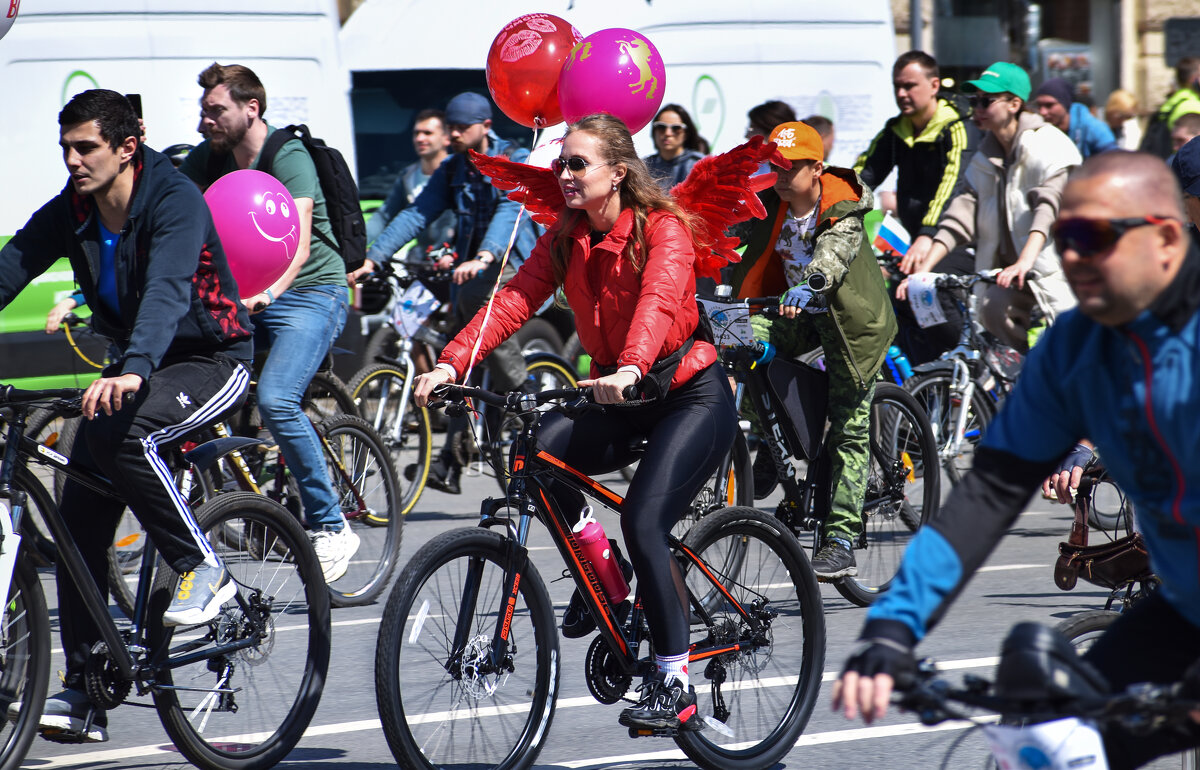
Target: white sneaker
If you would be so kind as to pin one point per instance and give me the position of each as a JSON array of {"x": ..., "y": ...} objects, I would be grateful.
[{"x": 334, "y": 549}]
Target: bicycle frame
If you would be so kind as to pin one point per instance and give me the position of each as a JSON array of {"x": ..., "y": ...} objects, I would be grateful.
[
  {"x": 530, "y": 496},
  {"x": 20, "y": 448}
]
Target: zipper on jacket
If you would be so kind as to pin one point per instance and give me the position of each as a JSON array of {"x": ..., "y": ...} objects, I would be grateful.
[{"x": 1180, "y": 481}]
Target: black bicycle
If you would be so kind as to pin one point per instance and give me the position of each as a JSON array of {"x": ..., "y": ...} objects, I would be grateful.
[
  {"x": 467, "y": 662},
  {"x": 237, "y": 692},
  {"x": 790, "y": 397}
]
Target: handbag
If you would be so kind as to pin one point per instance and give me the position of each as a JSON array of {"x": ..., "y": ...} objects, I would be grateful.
[{"x": 1111, "y": 565}]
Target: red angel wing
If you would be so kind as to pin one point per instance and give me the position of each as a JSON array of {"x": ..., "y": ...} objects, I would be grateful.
[
  {"x": 534, "y": 187},
  {"x": 720, "y": 192}
]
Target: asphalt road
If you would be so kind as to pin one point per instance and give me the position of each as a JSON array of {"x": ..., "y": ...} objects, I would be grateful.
[{"x": 1015, "y": 585}]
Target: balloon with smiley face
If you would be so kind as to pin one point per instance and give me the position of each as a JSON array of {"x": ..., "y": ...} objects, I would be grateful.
[{"x": 258, "y": 224}]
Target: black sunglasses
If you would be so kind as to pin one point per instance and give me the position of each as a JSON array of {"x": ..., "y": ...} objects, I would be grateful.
[
  {"x": 983, "y": 101},
  {"x": 664, "y": 127},
  {"x": 1089, "y": 237},
  {"x": 577, "y": 165}
]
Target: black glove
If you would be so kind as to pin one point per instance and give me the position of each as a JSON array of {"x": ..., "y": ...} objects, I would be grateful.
[{"x": 880, "y": 655}]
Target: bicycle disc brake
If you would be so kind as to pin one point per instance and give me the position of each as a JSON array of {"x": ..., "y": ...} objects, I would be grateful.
[
  {"x": 105, "y": 686},
  {"x": 605, "y": 679},
  {"x": 479, "y": 678}
]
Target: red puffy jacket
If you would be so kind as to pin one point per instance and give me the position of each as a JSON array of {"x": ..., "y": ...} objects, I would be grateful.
[{"x": 622, "y": 316}]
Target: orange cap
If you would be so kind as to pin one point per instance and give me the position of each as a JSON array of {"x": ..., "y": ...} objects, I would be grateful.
[{"x": 798, "y": 141}]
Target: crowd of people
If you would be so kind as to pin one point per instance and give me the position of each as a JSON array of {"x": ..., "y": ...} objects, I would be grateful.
[{"x": 1089, "y": 238}]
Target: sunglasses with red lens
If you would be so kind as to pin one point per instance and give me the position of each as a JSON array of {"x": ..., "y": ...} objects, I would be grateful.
[{"x": 1089, "y": 237}]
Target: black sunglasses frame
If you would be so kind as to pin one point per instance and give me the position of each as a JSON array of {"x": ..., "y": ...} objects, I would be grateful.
[{"x": 1103, "y": 233}]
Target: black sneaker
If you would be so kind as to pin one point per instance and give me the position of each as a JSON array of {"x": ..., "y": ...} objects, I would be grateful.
[
  {"x": 663, "y": 707},
  {"x": 69, "y": 717},
  {"x": 765, "y": 477},
  {"x": 834, "y": 561},
  {"x": 443, "y": 476}
]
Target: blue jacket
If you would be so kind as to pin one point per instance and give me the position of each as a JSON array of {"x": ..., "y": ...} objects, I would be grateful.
[
  {"x": 1134, "y": 391},
  {"x": 176, "y": 293},
  {"x": 1090, "y": 134},
  {"x": 449, "y": 189}
]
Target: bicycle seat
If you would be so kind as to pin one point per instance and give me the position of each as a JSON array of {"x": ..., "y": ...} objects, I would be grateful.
[{"x": 1037, "y": 663}]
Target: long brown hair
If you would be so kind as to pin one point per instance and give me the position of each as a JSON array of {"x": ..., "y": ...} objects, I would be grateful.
[{"x": 638, "y": 191}]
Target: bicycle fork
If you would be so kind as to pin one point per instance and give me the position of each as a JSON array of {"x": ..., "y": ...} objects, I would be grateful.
[{"x": 963, "y": 384}]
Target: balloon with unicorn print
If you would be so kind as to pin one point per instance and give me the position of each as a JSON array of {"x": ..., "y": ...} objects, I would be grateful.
[{"x": 618, "y": 71}]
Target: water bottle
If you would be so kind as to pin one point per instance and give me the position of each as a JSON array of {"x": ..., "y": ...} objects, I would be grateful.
[
  {"x": 596, "y": 549},
  {"x": 897, "y": 355}
]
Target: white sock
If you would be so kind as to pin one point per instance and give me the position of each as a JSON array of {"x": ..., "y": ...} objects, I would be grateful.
[{"x": 673, "y": 667}]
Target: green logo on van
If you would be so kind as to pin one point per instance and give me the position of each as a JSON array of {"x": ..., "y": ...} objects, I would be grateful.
[
  {"x": 77, "y": 81},
  {"x": 708, "y": 108}
]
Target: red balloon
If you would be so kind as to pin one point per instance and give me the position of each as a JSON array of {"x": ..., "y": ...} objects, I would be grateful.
[{"x": 523, "y": 65}]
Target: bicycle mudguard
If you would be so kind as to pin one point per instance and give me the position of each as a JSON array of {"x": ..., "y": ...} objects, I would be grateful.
[
  {"x": 207, "y": 454},
  {"x": 803, "y": 393},
  {"x": 936, "y": 365},
  {"x": 1038, "y": 664}
]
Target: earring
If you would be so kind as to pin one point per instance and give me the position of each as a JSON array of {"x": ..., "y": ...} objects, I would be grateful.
[{"x": 616, "y": 185}]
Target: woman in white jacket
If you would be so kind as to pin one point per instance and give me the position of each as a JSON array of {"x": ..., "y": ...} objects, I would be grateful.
[{"x": 1014, "y": 184}]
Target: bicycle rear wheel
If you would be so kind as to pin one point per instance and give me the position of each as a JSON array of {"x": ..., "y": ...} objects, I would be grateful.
[
  {"x": 769, "y": 682},
  {"x": 327, "y": 396},
  {"x": 445, "y": 703},
  {"x": 24, "y": 663},
  {"x": 365, "y": 483},
  {"x": 246, "y": 708},
  {"x": 403, "y": 426},
  {"x": 902, "y": 491}
]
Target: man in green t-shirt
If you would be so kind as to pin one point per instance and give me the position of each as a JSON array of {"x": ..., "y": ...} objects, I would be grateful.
[{"x": 298, "y": 316}]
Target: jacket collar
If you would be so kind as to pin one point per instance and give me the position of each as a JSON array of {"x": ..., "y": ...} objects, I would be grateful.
[
  {"x": 944, "y": 115},
  {"x": 615, "y": 239},
  {"x": 990, "y": 145},
  {"x": 837, "y": 186},
  {"x": 1180, "y": 300}
]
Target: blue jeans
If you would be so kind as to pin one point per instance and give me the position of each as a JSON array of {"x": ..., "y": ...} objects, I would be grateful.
[{"x": 299, "y": 328}]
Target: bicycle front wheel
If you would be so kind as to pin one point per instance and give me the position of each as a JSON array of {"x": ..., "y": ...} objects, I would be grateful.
[
  {"x": 403, "y": 426},
  {"x": 445, "y": 698},
  {"x": 762, "y": 692},
  {"x": 365, "y": 484},
  {"x": 943, "y": 404},
  {"x": 25, "y": 663},
  {"x": 903, "y": 485},
  {"x": 246, "y": 708}
]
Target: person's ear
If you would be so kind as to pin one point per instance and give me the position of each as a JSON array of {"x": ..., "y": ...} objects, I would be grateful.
[
  {"x": 818, "y": 169},
  {"x": 127, "y": 148}
]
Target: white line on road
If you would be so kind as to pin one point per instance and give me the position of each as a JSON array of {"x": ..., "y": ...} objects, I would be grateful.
[
  {"x": 1006, "y": 567},
  {"x": 832, "y": 736}
]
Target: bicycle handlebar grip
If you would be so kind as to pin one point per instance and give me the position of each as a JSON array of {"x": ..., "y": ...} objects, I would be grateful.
[{"x": 630, "y": 393}]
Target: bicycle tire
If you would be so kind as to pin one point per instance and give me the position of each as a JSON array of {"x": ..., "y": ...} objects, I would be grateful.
[
  {"x": 327, "y": 396},
  {"x": 37, "y": 539},
  {"x": 934, "y": 392},
  {"x": 543, "y": 371},
  {"x": 364, "y": 481},
  {"x": 413, "y": 681},
  {"x": 902, "y": 493},
  {"x": 383, "y": 343},
  {"x": 770, "y": 695},
  {"x": 375, "y": 390},
  {"x": 273, "y": 562},
  {"x": 25, "y": 665},
  {"x": 1083, "y": 628}
]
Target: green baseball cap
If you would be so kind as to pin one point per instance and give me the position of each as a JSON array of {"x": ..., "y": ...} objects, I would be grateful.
[{"x": 1001, "y": 77}]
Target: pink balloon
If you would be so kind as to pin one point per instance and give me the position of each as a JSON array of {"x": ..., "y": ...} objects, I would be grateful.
[
  {"x": 617, "y": 71},
  {"x": 258, "y": 224}
]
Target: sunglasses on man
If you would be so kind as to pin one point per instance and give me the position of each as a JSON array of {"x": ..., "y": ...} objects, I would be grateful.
[{"x": 1089, "y": 237}]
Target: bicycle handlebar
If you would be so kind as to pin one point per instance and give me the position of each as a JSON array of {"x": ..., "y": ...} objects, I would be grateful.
[
  {"x": 12, "y": 395},
  {"x": 519, "y": 401}
]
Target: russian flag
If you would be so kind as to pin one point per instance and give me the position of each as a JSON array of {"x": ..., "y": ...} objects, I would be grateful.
[{"x": 892, "y": 236}]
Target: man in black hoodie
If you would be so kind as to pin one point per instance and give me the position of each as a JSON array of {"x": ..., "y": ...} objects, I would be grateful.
[{"x": 146, "y": 256}]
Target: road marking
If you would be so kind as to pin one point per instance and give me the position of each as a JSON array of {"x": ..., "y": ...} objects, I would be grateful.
[
  {"x": 813, "y": 739},
  {"x": 1006, "y": 567}
]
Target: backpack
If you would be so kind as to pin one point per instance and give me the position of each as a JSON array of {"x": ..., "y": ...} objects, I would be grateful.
[
  {"x": 337, "y": 185},
  {"x": 1157, "y": 139}
]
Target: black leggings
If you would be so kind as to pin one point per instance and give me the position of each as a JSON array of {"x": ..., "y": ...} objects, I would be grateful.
[
  {"x": 1150, "y": 642},
  {"x": 686, "y": 435}
]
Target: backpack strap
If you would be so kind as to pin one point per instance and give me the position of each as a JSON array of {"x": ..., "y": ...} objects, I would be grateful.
[{"x": 278, "y": 138}]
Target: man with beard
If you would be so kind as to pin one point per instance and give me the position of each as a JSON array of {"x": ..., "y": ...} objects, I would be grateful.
[
  {"x": 486, "y": 219},
  {"x": 1120, "y": 370},
  {"x": 297, "y": 317}
]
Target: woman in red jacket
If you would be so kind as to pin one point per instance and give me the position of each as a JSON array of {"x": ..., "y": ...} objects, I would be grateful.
[{"x": 623, "y": 253}]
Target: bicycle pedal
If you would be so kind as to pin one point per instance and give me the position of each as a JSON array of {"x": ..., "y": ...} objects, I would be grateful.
[
  {"x": 653, "y": 732},
  {"x": 56, "y": 735}
]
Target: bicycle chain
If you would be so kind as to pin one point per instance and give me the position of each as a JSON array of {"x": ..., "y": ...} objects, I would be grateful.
[{"x": 105, "y": 686}]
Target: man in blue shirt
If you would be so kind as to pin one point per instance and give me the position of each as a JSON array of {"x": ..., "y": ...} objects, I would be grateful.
[
  {"x": 486, "y": 222},
  {"x": 1119, "y": 369},
  {"x": 1053, "y": 101}
]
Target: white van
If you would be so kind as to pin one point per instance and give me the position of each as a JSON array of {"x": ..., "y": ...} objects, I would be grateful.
[
  {"x": 155, "y": 48},
  {"x": 722, "y": 59}
]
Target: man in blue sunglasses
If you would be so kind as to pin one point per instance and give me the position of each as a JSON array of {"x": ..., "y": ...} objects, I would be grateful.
[{"x": 1121, "y": 369}]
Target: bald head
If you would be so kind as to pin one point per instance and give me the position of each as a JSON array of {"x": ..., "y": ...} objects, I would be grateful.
[{"x": 1143, "y": 183}]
